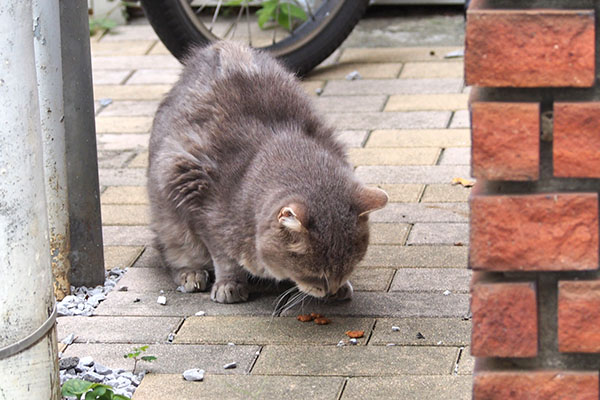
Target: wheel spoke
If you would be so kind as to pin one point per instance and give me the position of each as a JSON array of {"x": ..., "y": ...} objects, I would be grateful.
[
  {"x": 276, "y": 23},
  {"x": 248, "y": 21},
  {"x": 215, "y": 15}
]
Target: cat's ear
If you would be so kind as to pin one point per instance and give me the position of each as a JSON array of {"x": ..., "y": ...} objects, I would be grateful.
[
  {"x": 293, "y": 217},
  {"x": 370, "y": 199}
]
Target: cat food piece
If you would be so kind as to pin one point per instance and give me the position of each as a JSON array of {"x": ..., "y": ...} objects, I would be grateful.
[
  {"x": 355, "y": 334},
  {"x": 315, "y": 315},
  {"x": 322, "y": 321},
  {"x": 305, "y": 318},
  {"x": 462, "y": 181}
]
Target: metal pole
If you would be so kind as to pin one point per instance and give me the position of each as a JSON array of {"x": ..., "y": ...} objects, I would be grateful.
[
  {"x": 26, "y": 298},
  {"x": 46, "y": 32},
  {"x": 86, "y": 256}
]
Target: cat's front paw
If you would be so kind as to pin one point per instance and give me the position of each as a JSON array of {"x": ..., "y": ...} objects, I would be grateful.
[
  {"x": 345, "y": 292},
  {"x": 229, "y": 292},
  {"x": 192, "y": 280}
]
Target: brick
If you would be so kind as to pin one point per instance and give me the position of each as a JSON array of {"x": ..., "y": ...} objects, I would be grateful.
[
  {"x": 121, "y": 256},
  {"x": 506, "y": 140},
  {"x": 535, "y": 385},
  {"x": 395, "y": 54},
  {"x": 154, "y": 77},
  {"x": 131, "y": 108},
  {"x": 402, "y": 193},
  {"x": 112, "y": 158},
  {"x": 460, "y": 119},
  {"x": 394, "y": 156},
  {"x": 456, "y": 156},
  {"x": 439, "y": 234},
  {"x": 416, "y": 102},
  {"x": 113, "y": 214},
  {"x": 388, "y": 233},
  {"x": 540, "y": 232},
  {"x": 351, "y": 360},
  {"x": 352, "y": 138},
  {"x": 267, "y": 330},
  {"x": 122, "y": 177},
  {"x": 466, "y": 363},
  {"x": 349, "y": 104},
  {"x": 504, "y": 320},
  {"x": 579, "y": 316},
  {"x": 122, "y": 141},
  {"x": 311, "y": 87},
  {"x": 422, "y": 212},
  {"x": 124, "y": 195},
  {"x": 139, "y": 161},
  {"x": 129, "y": 33},
  {"x": 109, "y": 77},
  {"x": 122, "y": 235},
  {"x": 420, "y": 138},
  {"x": 530, "y": 48},
  {"x": 436, "y": 332},
  {"x": 408, "y": 388},
  {"x": 439, "y": 69},
  {"x": 123, "y": 124},
  {"x": 159, "y": 49},
  {"x": 239, "y": 387},
  {"x": 130, "y": 62},
  {"x": 390, "y": 120},
  {"x": 431, "y": 279},
  {"x": 393, "y": 86},
  {"x": 416, "y": 256},
  {"x": 411, "y": 173},
  {"x": 125, "y": 92},
  {"x": 440, "y": 193},
  {"x": 576, "y": 144},
  {"x": 366, "y": 71},
  {"x": 122, "y": 48},
  {"x": 371, "y": 279}
]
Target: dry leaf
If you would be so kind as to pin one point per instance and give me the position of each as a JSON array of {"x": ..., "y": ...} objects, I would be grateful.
[{"x": 462, "y": 181}]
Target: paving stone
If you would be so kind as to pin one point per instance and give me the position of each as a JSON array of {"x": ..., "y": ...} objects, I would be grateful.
[
  {"x": 139, "y": 161},
  {"x": 416, "y": 256},
  {"x": 420, "y": 138},
  {"x": 171, "y": 358},
  {"x": 159, "y": 49},
  {"x": 130, "y": 92},
  {"x": 354, "y": 360},
  {"x": 456, "y": 156},
  {"x": 154, "y": 77},
  {"x": 395, "y": 54},
  {"x": 129, "y": 214},
  {"x": 349, "y": 104},
  {"x": 113, "y": 158},
  {"x": 439, "y": 234},
  {"x": 366, "y": 71},
  {"x": 352, "y": 138},
  {"x": 409, "y": 388},
  {"x": 121, "y": 256},
  {"x": 388, "y": 233},
  {"x": 405, "y": 193},
  {"x": 109, "y": 77},
  {"x": 129, "y": 33},
  {"x": 422, "y": 212},
  {"x": 412, "y": 102},
  {"x": 123, "y": 124},
  {"x": 122, "y": 177},
  {"x": 122, "y": 48},
  {"x": 431, "y": 279},
  {"x": 411, "y": 174},
  {"x": 390, "y": 120},
  {"x": 124, "y": 108},
  {"x": 445, "y": 193},
  {"x": 124, "y": 195},
  {"x": 123, "y": 235},
  {"x": 150, "y": 280},
  {"x": 130, "y": 62},
  {"x": 311, "y": 87},
  {"x": 239, "y": 387},
  {"x": 460, "y": 119},
  {"x": 371, "y": 279},
  {"x": 438, "y": 69},
  {"x": 394, "y": 156},
  {"x": 392, "y": 86},
  {"x": 436, "y": 332},
  {"x": 364, "y": 304},
  {"x": 466, "y": 364},
  {"x": 117, "y": 329},
  {"x": 149, "y": 259},
  {"x": 267, "y": 330},
  {"x": 122, "y": 141}
]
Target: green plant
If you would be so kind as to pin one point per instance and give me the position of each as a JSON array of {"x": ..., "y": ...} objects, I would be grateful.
[
  {"x": 285, "y": 14},
  {"x": 106, "y": 23},
  {"x": 93, "y": 391},
  {"x": 135, "y": 354}
]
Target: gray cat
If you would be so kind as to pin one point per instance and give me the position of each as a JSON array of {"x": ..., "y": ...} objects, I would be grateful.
[{"x": 244, "y": 174}]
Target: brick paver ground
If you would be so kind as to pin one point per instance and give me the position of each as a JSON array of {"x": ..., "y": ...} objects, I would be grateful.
[{"x": 406, "y": 126}]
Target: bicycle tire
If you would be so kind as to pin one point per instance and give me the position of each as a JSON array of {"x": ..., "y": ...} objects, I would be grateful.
[{"x": 173, "y": 25}]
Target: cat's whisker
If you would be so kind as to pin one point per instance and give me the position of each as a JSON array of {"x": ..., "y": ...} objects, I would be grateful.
[{"x": 284, "y": 296}]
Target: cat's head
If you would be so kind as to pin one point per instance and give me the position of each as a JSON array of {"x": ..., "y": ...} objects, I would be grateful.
[{"x": 317, "y": 245}]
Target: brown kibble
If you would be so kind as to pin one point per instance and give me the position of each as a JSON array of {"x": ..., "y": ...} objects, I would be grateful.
[
  {"x": 315, "y": 315},
  {"x": 355, "y": 334},
  {"x": 322, "y": 321},
  {"x": 305, "y": 317}
]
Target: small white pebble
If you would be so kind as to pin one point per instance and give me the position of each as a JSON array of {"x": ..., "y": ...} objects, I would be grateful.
[
  {"x": 391, "y": 344},
  {"x": 447, "y": 292},
  {"x": 354, "y": 75},
  {"x": 194, "y": 374},
  {"x": 395, "y": 328},
  {"x": 230, "y": 344},
  {"x": 162, "y": 292},
  {"x": 353, "y": 341},
  {"x": 200, "y": 313},
  {"x": 69, "y": 339},
  {"x": 318, "y": 91},
  {"x": 341, "y": 343},
  {"x": 230, "y": 365},
  {"x": 257, "y": 353},
  {"x": 162, "y": 300},
  {"x": 439, "y": 343}
]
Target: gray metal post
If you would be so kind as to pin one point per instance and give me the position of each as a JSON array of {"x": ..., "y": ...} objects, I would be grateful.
[
  {"x": 46, "y": 31},
  {"x": 28, "y": 350},
  {"x": 86, "y": 256}
]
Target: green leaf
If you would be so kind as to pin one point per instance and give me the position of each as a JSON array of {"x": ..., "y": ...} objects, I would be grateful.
[
  {"x": 284, "y": 20},
  {"x": 119, "y": 397},
  {"x": 148, "y": 358},
  {"x": 96, "y": 393},
  {"x": 232, "y": 3},
  {"x": 144, "y": 348},
  {"x": 75, "y": 387},
  {"x": 294, "y": 11},
  {"x": 267, "y": 12}
]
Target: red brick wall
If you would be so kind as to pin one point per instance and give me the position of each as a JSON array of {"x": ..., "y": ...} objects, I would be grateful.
[{"x": 534, "y": 246}]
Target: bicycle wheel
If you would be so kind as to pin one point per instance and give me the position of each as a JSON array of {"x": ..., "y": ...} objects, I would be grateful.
[{"x": 181, "y": 23}]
